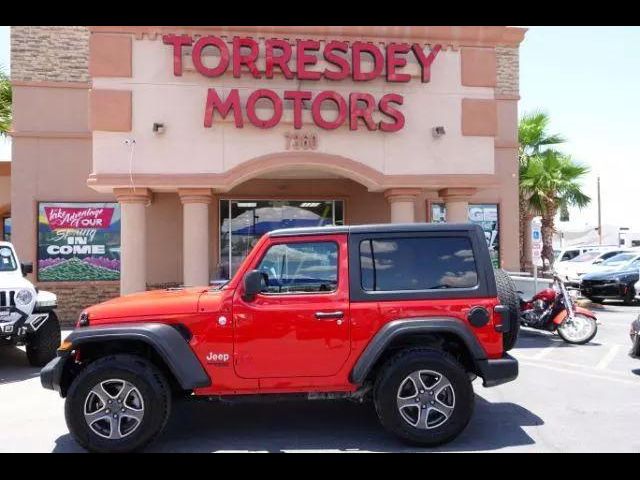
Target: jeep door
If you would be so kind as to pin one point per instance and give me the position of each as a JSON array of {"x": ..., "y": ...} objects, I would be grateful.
[{"x": 298, "y": 326}]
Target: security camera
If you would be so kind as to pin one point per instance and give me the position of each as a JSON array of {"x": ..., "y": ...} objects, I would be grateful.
[
  {"x": 129, "y": 141},
  {"x": 158, "y": 128},
  {"x": 438, "y": 131}
]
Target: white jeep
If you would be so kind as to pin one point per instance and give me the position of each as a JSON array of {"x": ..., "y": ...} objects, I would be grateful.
[{"x": 27, "y": 314}]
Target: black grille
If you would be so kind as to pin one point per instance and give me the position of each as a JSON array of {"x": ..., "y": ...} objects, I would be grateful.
[{"x": 7, "y": 298}]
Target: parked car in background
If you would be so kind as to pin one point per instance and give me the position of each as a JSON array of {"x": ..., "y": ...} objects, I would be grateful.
[
  {"x": 572, "y": 270},
  {"x": 613, "y": 279},
  {"x": 27, "y": 314},
  {"x": 569, "y": 253},
  {"x": 637, "y": 288}
]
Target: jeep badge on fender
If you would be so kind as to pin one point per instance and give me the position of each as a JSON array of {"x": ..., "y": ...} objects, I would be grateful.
[{"x": 404, "y": 316}]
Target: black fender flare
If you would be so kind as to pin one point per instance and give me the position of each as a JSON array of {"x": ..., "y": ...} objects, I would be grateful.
[
  {"x": 400, "y": 327},
  {"x": 166, "y": 340}
]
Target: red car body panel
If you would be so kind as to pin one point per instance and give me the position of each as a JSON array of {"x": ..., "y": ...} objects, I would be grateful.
[{"x": 274, "y": 344}]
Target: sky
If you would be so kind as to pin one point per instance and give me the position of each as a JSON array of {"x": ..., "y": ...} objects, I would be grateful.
[{"x": 586, "y": 78}]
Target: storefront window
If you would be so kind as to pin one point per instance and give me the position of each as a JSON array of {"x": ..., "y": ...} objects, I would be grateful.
[
  {"x": 243, "y": 222},
  {"x": 6, "y": 229},
  {"x": 485, "y": 215}
]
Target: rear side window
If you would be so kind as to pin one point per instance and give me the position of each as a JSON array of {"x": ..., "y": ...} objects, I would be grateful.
[{"x": 419, "y": 263}]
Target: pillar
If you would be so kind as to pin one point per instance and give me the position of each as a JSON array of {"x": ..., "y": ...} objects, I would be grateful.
[
  {"x": 457, "y": 203},
  {"x": 133, "y": 238},
  {"x": 403, "y": 204},
  {"x": 195, "y": 235}
]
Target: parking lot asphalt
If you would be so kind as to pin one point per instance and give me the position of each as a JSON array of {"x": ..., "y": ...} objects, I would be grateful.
[{"x": 567, "y": 398}]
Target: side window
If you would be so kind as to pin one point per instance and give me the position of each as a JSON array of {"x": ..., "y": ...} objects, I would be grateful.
[
  {"x": 420, "y": 263},
  {"x": 569, "y": 254},
  {"x": 301, "y": 267},
  {"x": 608, "y": 255}
]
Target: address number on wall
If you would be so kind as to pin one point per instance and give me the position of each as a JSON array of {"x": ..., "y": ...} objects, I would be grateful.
[{"x": 301, "y": 141}]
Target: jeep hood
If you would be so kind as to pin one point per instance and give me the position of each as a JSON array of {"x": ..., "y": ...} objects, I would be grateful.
[
  {"x": 149, "y": 304},
  {"x": 15, "y": 281}
]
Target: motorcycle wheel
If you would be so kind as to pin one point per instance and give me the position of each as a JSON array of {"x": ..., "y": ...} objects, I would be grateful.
[{"x": 580, "y": 331}]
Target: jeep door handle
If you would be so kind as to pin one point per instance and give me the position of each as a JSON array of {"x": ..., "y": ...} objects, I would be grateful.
[{"x": 329, "y": 315}]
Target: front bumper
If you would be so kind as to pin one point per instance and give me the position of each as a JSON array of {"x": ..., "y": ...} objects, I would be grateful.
[
  {"x": 51, "y": 373},
  {"x": 498, "y": 371},
  {"x": 608, "y": 290}
]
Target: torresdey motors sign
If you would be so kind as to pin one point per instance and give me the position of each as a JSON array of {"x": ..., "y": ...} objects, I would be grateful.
[
  {"x": 343, "y": 59},
  {"x": 78, "y": 241}
]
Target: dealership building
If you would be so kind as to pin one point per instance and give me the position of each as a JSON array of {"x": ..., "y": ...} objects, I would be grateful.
[{"x": 147, "y": 157}]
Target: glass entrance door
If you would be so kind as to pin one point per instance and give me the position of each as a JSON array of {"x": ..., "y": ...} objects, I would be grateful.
[{"x": 243, "y": 222}]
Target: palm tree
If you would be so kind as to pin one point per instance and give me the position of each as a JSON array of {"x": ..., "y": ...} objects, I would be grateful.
[
  {"x": 5, "y": 103},
  {"x": 533, "y": 137},
  {"x": 551, "y": 182}
]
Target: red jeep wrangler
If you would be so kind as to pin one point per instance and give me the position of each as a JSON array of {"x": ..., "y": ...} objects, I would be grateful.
[{"x": 407, "y": 315}]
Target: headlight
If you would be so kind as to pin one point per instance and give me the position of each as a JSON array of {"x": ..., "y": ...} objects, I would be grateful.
[{"x": 23, "y": 297}]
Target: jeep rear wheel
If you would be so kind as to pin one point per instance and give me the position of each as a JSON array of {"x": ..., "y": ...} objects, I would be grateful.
[
  {"x": 43, "y": 343},
  {"x": 424, "y": 396},
  {"x": 118, "y": 403},
  {"x": 508, "y": 296}
]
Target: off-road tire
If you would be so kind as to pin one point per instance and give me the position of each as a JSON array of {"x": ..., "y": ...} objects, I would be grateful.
[
  {"x": 508, "y": 296},
  {"x": 393, "y": 374},
  {"x": 145, "y": 376},
  {"x": 43, "y": 343}
]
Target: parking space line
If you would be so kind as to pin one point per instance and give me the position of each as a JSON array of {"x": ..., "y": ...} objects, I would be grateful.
[
  {"x": 531, "y": 358},
  {"x": 609, "y": 356},
  {"x": 584, "y": 374},
  {"x": 545, "y": 351}
]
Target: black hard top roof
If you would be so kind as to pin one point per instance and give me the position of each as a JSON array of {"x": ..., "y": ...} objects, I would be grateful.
[{"x": 377, "y": 228}]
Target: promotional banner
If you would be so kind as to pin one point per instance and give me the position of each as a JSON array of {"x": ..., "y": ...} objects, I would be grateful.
[{"x": 78, "y": 241}]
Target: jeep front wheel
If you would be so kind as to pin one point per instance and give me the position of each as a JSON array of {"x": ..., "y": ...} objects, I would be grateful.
[
  {"x": 43, "y": 343},
  {"x": 424, "y": 396},
  {"x": 118, "y": 403}
]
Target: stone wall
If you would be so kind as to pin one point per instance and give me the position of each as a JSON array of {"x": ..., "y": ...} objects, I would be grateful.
[
  {"x": 57, "y": 54},
  {"x": 73, "y": 297},
  {"x": 508, "y": 71}
]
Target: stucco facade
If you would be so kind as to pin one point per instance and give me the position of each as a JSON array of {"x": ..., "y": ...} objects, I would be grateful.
[{"x": 77, "y": 113}]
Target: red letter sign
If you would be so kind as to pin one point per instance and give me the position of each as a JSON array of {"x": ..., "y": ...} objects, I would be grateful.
[
  {"x": 304, "y": 59},
  {"x": 394, "y": 62},
  {"x": 275, "y": 101},
  {"x": 317, "y": 105},
  {"x": 248, "y": 60},
  {"x": 196, "y": 56},
  {"x": 366, "y": 113},
  {"x": 378, "y": 61},
  {"x": 426, "y": 61},
  {"x": 178, "y": 41},
  {"x": 214, "y": 103},
  {"x": 298, "y": 98},
  {"x": 391, "y": 112},
  {"x": 281, "y": 61},
  {"x": 341, "y": 62}
]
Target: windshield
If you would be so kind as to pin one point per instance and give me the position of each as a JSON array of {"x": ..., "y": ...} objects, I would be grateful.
[
  {"x": 619, "y": 259},
  {"x": 586, "y": 256},
  {"x": 7, "y": 260}
]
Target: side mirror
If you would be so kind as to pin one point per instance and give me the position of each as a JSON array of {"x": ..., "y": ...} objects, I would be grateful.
[
  {"x": 595, "y": 262},
  {"x": 26, "y": 268},
  {"x": 253, "y": 283}
]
